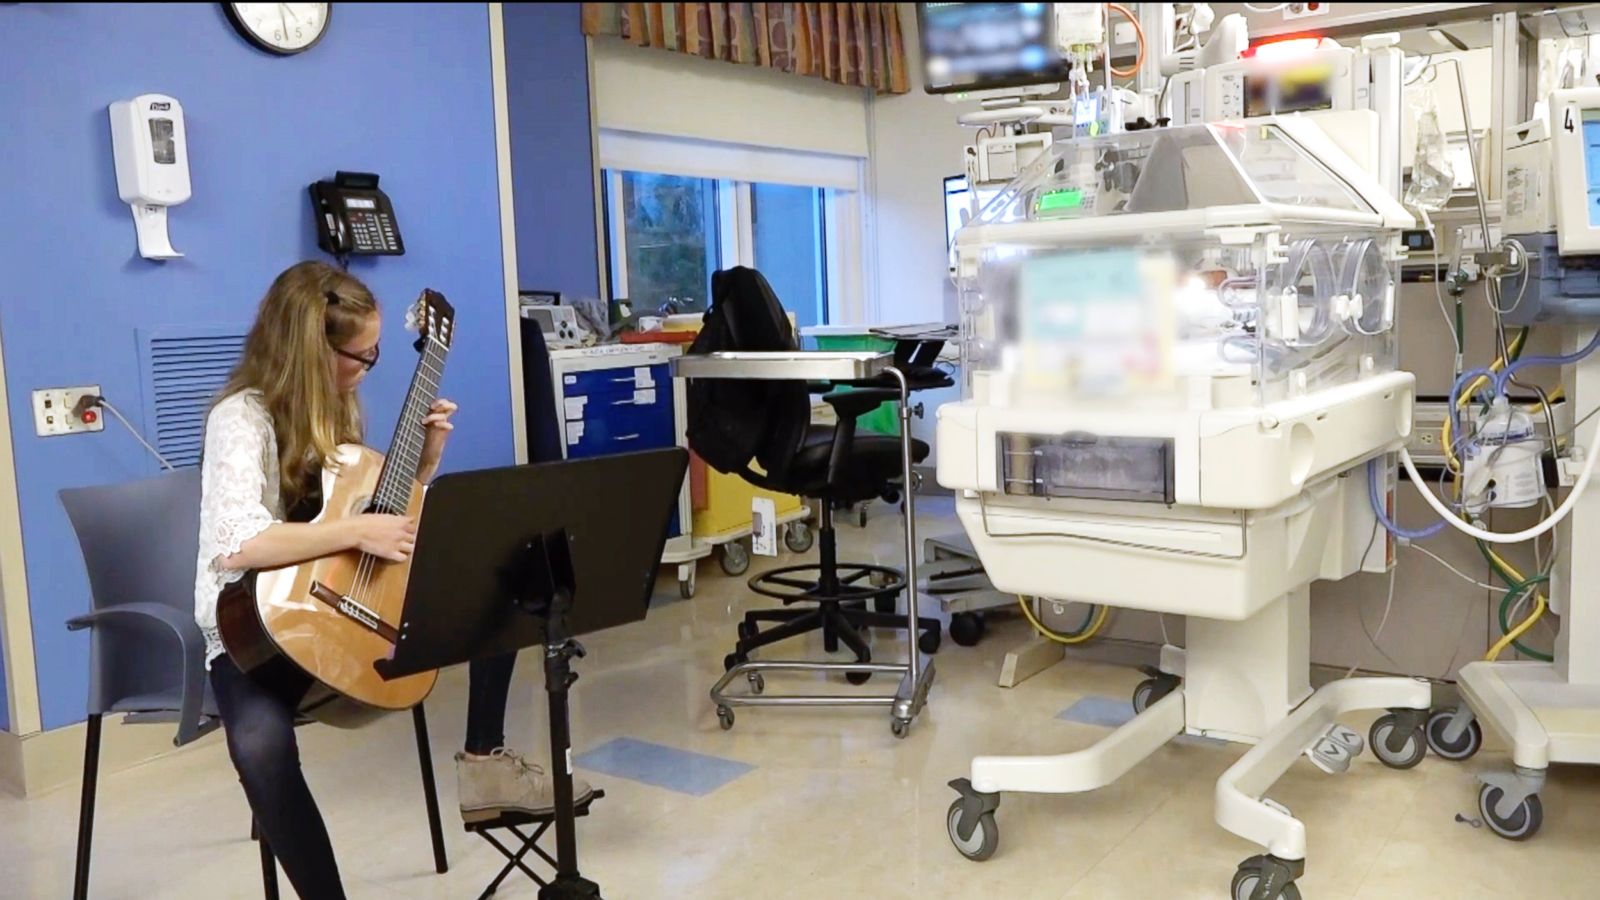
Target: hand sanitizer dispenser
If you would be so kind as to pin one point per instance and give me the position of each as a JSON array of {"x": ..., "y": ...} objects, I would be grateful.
[{"x": 152, "y": 156}]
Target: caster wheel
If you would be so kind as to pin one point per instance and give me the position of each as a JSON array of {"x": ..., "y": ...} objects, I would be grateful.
[
  {"x": 686, "y": 587},
  {"x": 929, "y": 642},
  {"x": 725, "y": 717},
  {"x": 798, "y": 537},
  {"x": 746, "y": 631},
  {"x": 985, "y": 836},
  {"x": 758, "y": 684},
  {"x": 1142, "y": 693},
  {"x": 1415, "y": 748},
  {"x": 1524, "y": 821},
  {"x": 735, "y": 558},
  {"x": 857, "y": 677},
  {"x": 731, "y": 660},
  {"x": 1245, "y": 881},
  {"x": 1463, "y": 747},
  {"x": 861, "y": 516},
  {"x": 966, "y": 629},
  {"x": 885, "y": 605},
  {"x": 900, "y": 728}
]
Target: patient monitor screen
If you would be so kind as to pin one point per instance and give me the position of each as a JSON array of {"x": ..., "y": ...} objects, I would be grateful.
[
  {"x": 1591, "y": 163},
  {"x": 978, "y": 46}
]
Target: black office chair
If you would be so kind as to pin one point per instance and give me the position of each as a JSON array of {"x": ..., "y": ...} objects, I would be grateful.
[
  {"x": 146, "y": 654},
  {"x": 734, "y": 423}
]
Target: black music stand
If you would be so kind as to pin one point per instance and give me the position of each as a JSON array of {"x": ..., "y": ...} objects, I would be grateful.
[{"x": 537, "y": 555}]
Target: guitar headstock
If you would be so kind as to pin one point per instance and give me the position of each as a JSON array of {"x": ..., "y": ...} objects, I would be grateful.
[{"x": 432, "y": 318}]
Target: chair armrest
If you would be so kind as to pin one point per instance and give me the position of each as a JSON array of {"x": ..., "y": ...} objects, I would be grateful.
[
  {"x": 858, "y": 402},
  {"x": 191, "y": 643},
  {"x": 782, "y": 366}
]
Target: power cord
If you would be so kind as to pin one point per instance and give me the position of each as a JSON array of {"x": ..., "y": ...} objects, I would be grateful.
[{"x": 88, "y": 402}]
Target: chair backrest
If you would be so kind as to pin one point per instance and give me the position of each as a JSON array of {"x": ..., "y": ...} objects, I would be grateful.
[
  {"x": 140, "y": 543},
  {"x": 732, "y": 422}
]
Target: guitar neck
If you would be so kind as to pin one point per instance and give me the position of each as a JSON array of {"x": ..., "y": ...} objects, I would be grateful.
[{"x": 404, "y": 460}]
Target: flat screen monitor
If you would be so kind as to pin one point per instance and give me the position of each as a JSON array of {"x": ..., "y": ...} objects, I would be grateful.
[
  {"x": 970, "y": 47},
  {"x": 958, "y": 204}
]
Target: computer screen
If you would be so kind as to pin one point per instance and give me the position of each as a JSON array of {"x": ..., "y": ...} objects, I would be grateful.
[
  {"x": 957, "y": 204},
  {"x": 982, "y": 46}
]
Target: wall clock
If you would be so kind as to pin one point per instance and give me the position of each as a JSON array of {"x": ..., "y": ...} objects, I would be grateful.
[{"x": 280, "y": 28}]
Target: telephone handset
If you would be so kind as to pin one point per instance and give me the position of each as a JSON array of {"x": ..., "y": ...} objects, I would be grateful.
[{"x": 354, "y": 217}]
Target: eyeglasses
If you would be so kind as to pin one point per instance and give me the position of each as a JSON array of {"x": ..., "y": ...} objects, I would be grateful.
[{"x": 367, "y": 362}]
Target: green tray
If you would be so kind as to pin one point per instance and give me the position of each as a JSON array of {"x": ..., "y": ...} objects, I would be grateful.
[{"x": 886, "y": 418}]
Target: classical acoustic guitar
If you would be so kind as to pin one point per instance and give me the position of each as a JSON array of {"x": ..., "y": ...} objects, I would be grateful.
[{"x": 311, "y": 632}]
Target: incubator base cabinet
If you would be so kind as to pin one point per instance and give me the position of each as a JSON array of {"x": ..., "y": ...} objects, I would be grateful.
[{"x": 1179, "y": 355}]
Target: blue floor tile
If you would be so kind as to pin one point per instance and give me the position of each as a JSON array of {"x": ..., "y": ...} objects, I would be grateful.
[
  {"x": 1104, "y": 711},
  {"x": 690, "y": 773}
]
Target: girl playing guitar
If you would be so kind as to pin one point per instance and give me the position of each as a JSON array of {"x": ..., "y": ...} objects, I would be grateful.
[{"x": 290, "y": 401}]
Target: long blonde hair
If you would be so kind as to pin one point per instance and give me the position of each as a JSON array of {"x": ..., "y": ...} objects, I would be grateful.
[{"x": 310, "y": 309}]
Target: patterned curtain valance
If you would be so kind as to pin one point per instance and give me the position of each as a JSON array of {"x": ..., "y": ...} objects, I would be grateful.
[{"x": 857, "y": 44}]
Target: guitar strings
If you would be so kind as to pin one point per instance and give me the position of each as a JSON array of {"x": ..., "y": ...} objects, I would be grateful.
[{"x": 393, "y": 495}]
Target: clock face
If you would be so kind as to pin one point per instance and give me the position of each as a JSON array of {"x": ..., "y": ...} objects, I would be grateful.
[{"x": 281, "y": 28}]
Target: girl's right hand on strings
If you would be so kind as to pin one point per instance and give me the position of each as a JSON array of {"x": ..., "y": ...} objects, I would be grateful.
[{"x": 393, "y": 538}]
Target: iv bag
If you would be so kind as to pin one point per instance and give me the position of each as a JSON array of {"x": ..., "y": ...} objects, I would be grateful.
[{"x": 1432, "y": 175}]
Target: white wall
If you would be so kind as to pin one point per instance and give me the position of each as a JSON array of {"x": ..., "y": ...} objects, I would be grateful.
[
  {"x": 662, "y": 92},
  {"x": 915, "y": 144}
]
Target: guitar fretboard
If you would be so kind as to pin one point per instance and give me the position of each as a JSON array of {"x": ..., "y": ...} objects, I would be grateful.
[{"x": 404, "y": 459}]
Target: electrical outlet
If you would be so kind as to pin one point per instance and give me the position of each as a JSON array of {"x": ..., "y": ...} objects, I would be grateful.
[
  {"x": 1305, "y": 10},
  {"x": 55, "y": 411}
]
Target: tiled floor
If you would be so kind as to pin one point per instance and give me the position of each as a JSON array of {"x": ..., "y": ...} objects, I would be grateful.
[{"x": 809, "y": 804}]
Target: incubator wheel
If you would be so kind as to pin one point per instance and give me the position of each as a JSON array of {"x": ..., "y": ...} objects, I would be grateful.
[
  {"x": 861, "y": 516},
  {"x": 1463, "y": 747},
  {"x": 900, "y": 727},
  {"x": 966, "y": 628},
  {"x": 1523, "y": 822},
  {"x": 985, "y": 836},
  {"x": 797, "y": 537},
  {"x": 735, "y": 558},
  {"x": 725, "y": 717},
  {"x": 1411, "y": 753},
  {"x": 1142, "y": 694},
  {"x": 1245, "y": 881},
  {"x": 929, "y": 642},
  {"x": 686, "y": 586},
  {"x": 757, "y": 683}
]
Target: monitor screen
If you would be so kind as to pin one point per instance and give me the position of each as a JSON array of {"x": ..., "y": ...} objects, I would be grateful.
[
  {"x": 957, "y": 204},
  {"x": 982, "y": 46}
]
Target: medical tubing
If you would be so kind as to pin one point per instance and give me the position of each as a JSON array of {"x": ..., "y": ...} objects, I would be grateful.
[
  {"x": 1495, "y": 537},
  {"x": 1512, "y": 634},
  {"x": 1383, "y": 515},
  {"x": 1510, "y": 370},
  {"x": 1518, "y": 583},
  {"x": 1085, "y": 632}
]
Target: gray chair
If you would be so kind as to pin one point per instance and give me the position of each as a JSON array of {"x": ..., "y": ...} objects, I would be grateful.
[{"x": 146, "y": 654}]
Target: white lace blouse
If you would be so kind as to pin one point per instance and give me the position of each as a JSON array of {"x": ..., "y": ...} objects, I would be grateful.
[{"x": 239, "y": 498}]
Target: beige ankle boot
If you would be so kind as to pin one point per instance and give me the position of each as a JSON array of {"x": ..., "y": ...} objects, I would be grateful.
[{"x": 506, "y": 782}]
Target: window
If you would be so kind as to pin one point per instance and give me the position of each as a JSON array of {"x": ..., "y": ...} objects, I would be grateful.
[
  {"x": 666, "y": 235},
  {"x": 664, "y": 239}
]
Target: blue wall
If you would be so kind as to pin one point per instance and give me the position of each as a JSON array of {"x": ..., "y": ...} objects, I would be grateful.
[
  {"x": 547, "y": 93},
  {"x": 401, "y": 90}
]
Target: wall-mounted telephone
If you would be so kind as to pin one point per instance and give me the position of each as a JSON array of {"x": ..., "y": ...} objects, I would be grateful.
[{"x": 354, "y": 217}]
